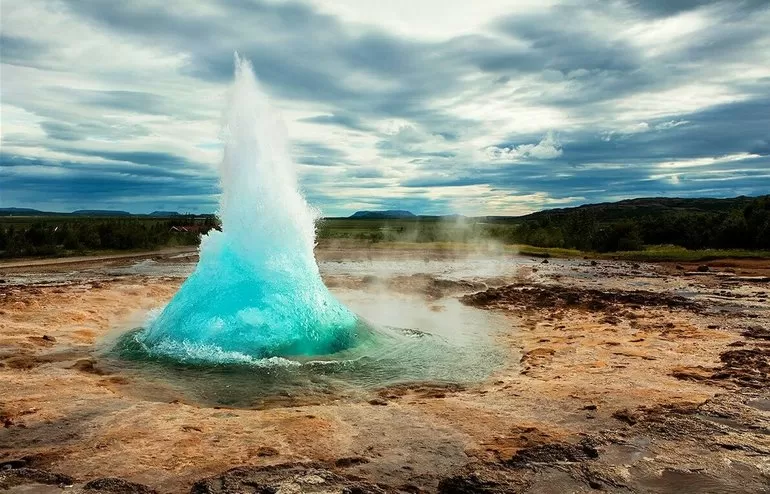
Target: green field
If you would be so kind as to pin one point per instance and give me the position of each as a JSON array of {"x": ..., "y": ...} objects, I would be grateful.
[
  {"x": 644, "y": 229},
  {"x": 419, "y": 230},
  {"x": 64, "y": 235}
]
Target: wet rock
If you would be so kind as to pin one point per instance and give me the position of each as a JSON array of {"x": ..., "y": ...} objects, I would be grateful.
[
  {"x": 267, "y": 451},
  {"x": 628, "y": 416},
  {"x": 552, "y": 453},
  {"x": 116, "y": 486},
  {"x": 671, "y": 421},
  {"x": 420, "y": 390},
  {"x": 537, "y": 356},
  {"x": 762, "y": 404},
  {"x": 350, "y": 461},
  {"x": 473, "y": 483},
  {"x": 594, "y": 263},
  {"x": 26, "y": 361},
  {"x": 544, "y": 261},
  {"x": 25, "y": 476},
  {"x": 10, "y": 464},
  {"x": 40, "y": 341},
  {"x": 599, "y": 476},
  {"x": 611, "y": 320},
  {"x": 87, "y": 365},
  {"x": 293, "y": 477},
  {"x": 757, "y": 333},
  {"x": 411, "y": 489},
  {"x": 535, "y": 296},
  {"x": 746, "y": 367},
  {"x": 698, "y": 373}
]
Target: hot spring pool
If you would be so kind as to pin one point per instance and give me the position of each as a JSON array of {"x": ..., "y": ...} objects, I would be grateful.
[{"x": 404, "y": 339}]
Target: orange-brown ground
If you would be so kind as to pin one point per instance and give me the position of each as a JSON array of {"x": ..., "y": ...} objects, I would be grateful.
[{"x": 642, "y": 392}]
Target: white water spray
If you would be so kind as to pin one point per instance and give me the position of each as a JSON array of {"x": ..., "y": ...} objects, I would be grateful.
[{"x": 256, "y": 291}]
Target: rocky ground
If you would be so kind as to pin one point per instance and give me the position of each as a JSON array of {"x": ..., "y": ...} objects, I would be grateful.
[{"x": 621, "y": 377}]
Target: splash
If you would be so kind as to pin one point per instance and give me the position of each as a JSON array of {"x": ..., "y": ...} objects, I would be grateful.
[{"x": 256, "y": 291}]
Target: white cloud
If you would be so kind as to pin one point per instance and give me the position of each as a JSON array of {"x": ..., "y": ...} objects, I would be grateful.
[
  {"x": 670, "y": 124},
  {"x": 706, "y": 161},
  {"x": 429, "y": 19},
  {"x": 548, "y": 148},
  {"x": 428, "y": 88},
  {"x": 659, "y": 36}
]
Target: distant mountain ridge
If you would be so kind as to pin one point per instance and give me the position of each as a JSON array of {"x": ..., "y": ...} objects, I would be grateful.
[
  {"x": 164, "y": 213},
  {"x": 110, "y": 213},
  {"x": 631, "y": 208},
  {"x": 378, "y": 215},
  {"x": 21, "y": 212},
  {"x": 100, "y": 212},
  {"x": 628, "y": 208}
]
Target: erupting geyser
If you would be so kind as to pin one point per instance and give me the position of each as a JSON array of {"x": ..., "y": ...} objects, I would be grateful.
[{"x": 256, "y": 291}]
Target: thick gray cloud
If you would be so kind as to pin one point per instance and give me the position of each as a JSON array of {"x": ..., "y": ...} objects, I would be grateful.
[
  {"x": 67, "y": 185},
  {"x": 345, "y": 120},
  {"x": 539, "y": 106},
  {"x": 19, "y": 50},
  {"x": 133, "y": 101},
  {"x": 314, "y": 153},
  {"x": 664, "y": 8}
]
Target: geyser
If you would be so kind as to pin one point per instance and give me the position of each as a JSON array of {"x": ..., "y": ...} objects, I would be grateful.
[{"x": 256, "y": 291}]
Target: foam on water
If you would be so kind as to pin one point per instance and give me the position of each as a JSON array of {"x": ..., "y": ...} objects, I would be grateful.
[
  {"x": 405, "y": 341},
  {"x": 256, "y": 291}
]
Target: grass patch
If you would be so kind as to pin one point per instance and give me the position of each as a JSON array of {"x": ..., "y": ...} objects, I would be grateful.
[
  {"x": 650, "y": 253},
  {"x": 674, "y": 253}
]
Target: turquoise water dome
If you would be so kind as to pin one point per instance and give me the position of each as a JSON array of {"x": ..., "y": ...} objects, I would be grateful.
[{"x": 256, "y": 291}]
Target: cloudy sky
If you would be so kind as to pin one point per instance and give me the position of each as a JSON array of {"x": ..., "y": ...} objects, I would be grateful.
[{"x": 436, "y": 106}]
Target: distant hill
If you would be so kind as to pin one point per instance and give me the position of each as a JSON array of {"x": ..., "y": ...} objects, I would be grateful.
[
  {"x": 106, "y": 213},
  {"x": 634, "y": 208},
  {"x": 699, "y": 223},
  {"x": 20, "y": 212},
  {"x": 100, "y": 212},
  {"x": 607, "y": 211},
  {"x": 164, "y": 214},
  {"x": 379, "y": 215}
]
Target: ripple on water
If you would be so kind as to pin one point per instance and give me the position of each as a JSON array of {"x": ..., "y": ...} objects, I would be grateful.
[{"x": 451, "y": 345}]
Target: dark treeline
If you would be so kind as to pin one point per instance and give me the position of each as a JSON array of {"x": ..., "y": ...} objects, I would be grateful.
[
  {"x": 50, "y": 236},
  {"x": 739, "y": 223},
  {"x": 743, "y": 227}
]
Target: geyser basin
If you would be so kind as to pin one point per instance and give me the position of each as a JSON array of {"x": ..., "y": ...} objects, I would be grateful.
[
  {"x": 254, "y": 323},
  {"x": 408, "y": 340},
  {"x": 256, "y": 291}
]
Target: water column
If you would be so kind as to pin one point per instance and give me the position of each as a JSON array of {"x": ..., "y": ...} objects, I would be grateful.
[{"x": 256, "y": 291}]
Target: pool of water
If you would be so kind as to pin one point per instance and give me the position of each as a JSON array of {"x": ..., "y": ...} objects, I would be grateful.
[{"x": 403, "y": 339}]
